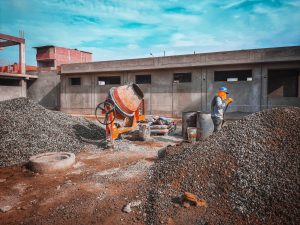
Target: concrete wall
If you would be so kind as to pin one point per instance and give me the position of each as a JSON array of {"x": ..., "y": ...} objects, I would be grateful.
[
  {"x": 84, "y": 98},
  {"x": 246, "y": 94},
  {"x": 161, "y": 97},
  {"x": 10, "y": 92},
  {"x": 282, "y": 54},
  {"x": 46, "y": 89},
  {"x": 165, "y": 97}
]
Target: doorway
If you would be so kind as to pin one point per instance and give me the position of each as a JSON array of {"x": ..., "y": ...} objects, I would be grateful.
[{"x": 283, "y": 83}]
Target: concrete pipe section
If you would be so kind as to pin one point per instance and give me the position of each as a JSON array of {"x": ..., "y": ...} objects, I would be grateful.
[{"x": 51, "y": 162}]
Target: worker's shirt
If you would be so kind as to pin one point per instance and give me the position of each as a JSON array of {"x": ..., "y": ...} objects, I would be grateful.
[{"x": 217, "y": 107}]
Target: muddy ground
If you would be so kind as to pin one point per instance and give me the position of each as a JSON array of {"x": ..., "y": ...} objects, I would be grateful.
[{"x": 94, "y": 191}]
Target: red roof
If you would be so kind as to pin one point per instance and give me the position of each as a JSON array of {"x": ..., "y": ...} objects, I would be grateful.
[{"x": 15, "y": 68}]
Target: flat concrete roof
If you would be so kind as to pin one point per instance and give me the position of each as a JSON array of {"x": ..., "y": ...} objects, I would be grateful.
[
  {"x": 16, "y": 75},
  {"x": 53, "y": 46},
  {"x": 265, "y": 55}
]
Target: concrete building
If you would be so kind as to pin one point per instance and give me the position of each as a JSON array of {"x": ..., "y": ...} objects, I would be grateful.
[
  {"x": 257, "y": 79},
  {"x": 14, "y": 80},
  {"x": 46, "y": 89},
  {"x": 50, "y": 56}
]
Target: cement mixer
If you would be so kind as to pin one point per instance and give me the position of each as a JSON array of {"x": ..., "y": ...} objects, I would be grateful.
[{"x": 124, "y": 103}]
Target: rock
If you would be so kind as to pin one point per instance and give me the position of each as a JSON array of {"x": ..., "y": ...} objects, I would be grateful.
[
  {"x": 186, "y": 205},
  {"x": 68, "y": 182},
  {"x": 192, "y": 198},
  {"x": 201, "y": 202},
  {"x": 5, "y": 208},
  {"x": 127, "y": 208},
  {"x": 24, "y": 207},
  {"x": 176, "y": 205},
  {"x": 2, "y": 180},
  {"x": 29, "y": 129},
  {"x": 249, "y": 169},
  {"x": 187, "y": 196},
  {"x": 161, "y": 153},
  {"x": 170, "y": 221},
  {"x": 33, "y": 202},
  {"x": 135, "y": 203}
]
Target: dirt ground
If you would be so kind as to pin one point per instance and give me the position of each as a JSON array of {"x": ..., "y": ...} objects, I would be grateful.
[{"x": 93, "y": 191}]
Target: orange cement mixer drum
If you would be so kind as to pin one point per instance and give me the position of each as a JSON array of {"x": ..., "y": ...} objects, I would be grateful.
[{"x": 127, "y": 98}]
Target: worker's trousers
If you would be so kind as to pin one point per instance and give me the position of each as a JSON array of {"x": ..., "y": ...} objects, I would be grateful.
[{"x": 217, "y": 123}]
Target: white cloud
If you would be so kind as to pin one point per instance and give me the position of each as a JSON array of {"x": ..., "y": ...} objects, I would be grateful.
[
  {"x": 132, "y": 46},
  {"x": 127, "y": 29},
  {"x": 233, "y": 4}
]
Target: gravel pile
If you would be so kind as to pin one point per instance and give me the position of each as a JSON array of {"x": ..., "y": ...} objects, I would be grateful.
[
  {"x": 27, "y": 128},
  {"x": 248, "y": 173}
]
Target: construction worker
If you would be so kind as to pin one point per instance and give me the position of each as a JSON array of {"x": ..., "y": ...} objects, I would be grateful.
[{"x": 219, "y": 105}]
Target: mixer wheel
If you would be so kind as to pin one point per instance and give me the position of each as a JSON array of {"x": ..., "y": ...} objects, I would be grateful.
[{"x": 108, "y": 108}]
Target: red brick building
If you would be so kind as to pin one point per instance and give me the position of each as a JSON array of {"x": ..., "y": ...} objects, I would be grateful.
[{"x": 53, "y": 56}]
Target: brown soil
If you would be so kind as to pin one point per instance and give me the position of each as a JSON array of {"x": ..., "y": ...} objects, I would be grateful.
[{"x": 93, "y": 192}]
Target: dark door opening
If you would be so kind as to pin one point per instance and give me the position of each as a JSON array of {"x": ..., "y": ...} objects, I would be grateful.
[
  {"x": 9, "y": 82},
  {"x": 283, "y": 83}
]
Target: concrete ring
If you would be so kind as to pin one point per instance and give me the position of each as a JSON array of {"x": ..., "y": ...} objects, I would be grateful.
[{"x": 51, "y": 162}]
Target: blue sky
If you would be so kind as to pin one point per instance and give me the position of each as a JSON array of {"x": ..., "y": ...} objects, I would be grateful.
[{"x": 120, "y": 29}]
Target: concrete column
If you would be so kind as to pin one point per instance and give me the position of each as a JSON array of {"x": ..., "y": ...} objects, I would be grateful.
[
  {"x": 23, "y": 88},
  {"x": 299, "y": 84},
  {"x": 264, "y": 88},
  {"x": 58, "y": 92},
  {"x": 69, "y": 54},
  {"x": 93, "y": 92},
  {"x": 22, "y": 58},
  {"x": 254, "y": 102},
  {"x": 203, "y": 89},
  {"x": 62, "y": 96},
  {"x": 128, "y": 78},
  {"x": 150, "y": 100},
  {"x": 54, "y": 50}
]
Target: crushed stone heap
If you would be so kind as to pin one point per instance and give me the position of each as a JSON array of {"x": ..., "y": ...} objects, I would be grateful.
[
  {"x": 27, "y": 128},
  {"x": 248, "y": 173}
]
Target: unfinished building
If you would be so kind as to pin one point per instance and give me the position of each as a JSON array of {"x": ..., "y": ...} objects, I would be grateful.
[
  {"x": 50, "y": 56},
  {"x": 46, "y": 89},
  {"x": 14, "y": 79},
  {"x": 257, "y": 79}
]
